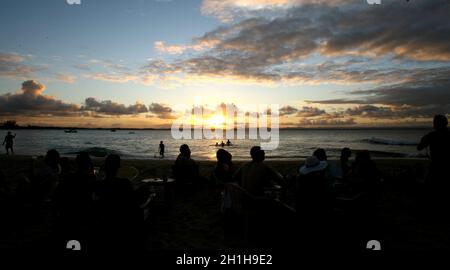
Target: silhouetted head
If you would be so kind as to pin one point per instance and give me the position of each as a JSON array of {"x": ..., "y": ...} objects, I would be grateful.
[
  {"x": 223, "y": 156},
  {"x": 185, "y": 151},
  {"x": 440, "y": 122},
  {"x": 9, "y": 132},
  {"x": 112, "y": 164},
  {"x": 84, "y": 162},
  {"x": 346, "y": 153},
  {"x": 52, "y": 158},
  {"x": 161, "y": 142},
  {"x": 257, "y": 154},
  {"x": 320, "y": 154}
]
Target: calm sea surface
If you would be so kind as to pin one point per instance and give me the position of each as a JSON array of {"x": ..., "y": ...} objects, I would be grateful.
[{"x": 144, "y": 143}]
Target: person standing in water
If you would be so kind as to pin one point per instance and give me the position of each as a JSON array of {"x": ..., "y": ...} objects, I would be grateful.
[
  {"x": 161, "y": 149},
  {"x": 9, "y": 142},
  {"x": 228, "y": 143}
]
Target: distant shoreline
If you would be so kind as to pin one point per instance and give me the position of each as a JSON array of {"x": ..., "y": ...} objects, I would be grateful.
[{"x": 297, "y": 128}]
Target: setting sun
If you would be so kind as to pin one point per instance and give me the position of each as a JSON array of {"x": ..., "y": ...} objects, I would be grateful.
[{"x": 216, "y": 121}]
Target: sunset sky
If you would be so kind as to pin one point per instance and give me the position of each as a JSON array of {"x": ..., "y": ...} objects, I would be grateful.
[{"x": 142, "y": 63}]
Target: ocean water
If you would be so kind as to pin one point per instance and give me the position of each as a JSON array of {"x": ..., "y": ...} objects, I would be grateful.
[{"x": 144, "y": 143}]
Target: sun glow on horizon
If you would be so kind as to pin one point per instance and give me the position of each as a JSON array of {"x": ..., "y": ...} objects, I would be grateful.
[{"x": 216, "y": 121}]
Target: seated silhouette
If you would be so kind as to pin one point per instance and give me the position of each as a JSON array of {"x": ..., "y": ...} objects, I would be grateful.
[
  {"x": 223, "y": 171},
  {"x": 119, "y": 213},
  {"x": 321, "y": 155},
  {"x": 366, "y": 177},
  {"x": 312, "y": 189},
  {"x": 185, "y": 169},
  {"x": 73, "y": 199},
  {"x": 255, "y": 175},
  {"x": 314, "y": 204},
  {"x": 47, "y": 178},
  {"x": 344, "y": 162}
]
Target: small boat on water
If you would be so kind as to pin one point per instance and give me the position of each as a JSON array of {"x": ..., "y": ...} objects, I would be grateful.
[
  {"x": 70, "y": 131},
  {"x": 113, "y": 130}
]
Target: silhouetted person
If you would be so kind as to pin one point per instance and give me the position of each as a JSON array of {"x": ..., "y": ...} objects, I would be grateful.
[
  {"x": 255, "y": 176},
  {"x": 8, "y": 142},
  {"x": 366, "y": 177},
  {"x": 314, "y": 204},
  {"x": 223, "y": 171},
  {"x": 320, "y": 154},
  {"x": 437, "y": 181},
  {"x": 74, "y": 202},
  {"x": 119, "y": 211},
  {"x": 161, "y": 149},
  {"x": 217, "y": 144},
  {"x": 46, "y": 180},
  {"x": 344, "y": 162},
  {"x": 228, "y": 143},
  {"x": 312, "y": 187},
  {"x": 222, "y": 144},
  {"x": 185, "y": 169},
  {"x": 438, "y": 142}
]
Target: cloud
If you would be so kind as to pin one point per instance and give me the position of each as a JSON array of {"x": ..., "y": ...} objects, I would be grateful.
[
  {"x": 275, "y": 48},
  {"x": 326, "y": 122},
  {"x": 32, "y": 87},
  {"x": 287, "y": 110},
  {"x": 68, "y": 78},
  {"x": 310, "y": 112},
  {"x": 229, "y": 10},
  {"x": 11, "y": 65},
  {"x": 85, "y": 67},
  {"x": 32, "y": 102},
  {"x": 426, "y": 93},
  {"x": 11, "y": 57},
  {"x": 199, "y": 45},
  {"x": 161, "y": 46},
  {"x": 115, "y": 78},
  {"x": 108, "y": 107},
  {"x": 423, "y": 87},
  {"x": 161, "y": 111}
]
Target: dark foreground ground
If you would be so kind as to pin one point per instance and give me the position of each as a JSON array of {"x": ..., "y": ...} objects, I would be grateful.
[{"x": 195, "y": 222}]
